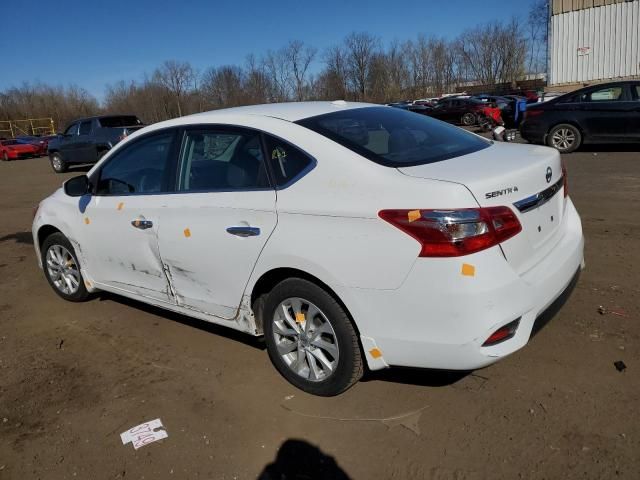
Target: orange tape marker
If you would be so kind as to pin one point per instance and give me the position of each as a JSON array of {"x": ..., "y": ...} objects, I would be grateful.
[
  {"x": 187, "y": 232},
  {"x": 414, "y": 215},
  {"x": 299, "y": 317},
  {"x": 120, "y": 206},
  {"x": 86, "y": 220},
  {"x": 375, "y": 353},
  {"x": 468, "y": 270}
]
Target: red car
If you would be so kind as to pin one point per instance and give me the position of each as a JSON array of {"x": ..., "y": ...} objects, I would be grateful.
[
  {"x": 40, "y": 143},
  {"x": 14, "y": 150}
]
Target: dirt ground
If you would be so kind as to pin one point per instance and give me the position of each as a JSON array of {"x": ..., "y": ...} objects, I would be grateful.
[{"x": 74, "y": 376}]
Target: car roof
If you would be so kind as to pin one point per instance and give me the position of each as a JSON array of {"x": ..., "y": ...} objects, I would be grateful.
[{"x": 291, "y": 111}]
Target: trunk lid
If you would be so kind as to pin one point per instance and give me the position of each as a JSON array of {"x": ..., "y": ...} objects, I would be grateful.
[{"x": 525, "y": 178}]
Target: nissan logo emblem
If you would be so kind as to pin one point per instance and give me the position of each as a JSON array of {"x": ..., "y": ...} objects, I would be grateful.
[{"x": 549, "y": 174}]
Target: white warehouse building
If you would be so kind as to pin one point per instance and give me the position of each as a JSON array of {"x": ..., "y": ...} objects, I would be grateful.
[{"x": 593, "y": 41}]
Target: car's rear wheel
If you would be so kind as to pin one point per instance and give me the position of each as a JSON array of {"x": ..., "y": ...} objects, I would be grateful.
[
  {"x": 468, "y": 119},
  {"x": 62, "y": 269},
  {"x": 58, "y": 164},
  {"x": 5, "y": 157},
  {"x": 565, "y": 138},
  {"x": 310, "y": 338}
]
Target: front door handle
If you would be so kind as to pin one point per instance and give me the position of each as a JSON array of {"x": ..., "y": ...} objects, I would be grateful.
[
  {"x": 244, "y": 231},
  {"x": 141, "y": 223}
]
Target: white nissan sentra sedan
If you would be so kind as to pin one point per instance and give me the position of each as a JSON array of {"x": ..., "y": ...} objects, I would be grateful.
[{"x": 345, "y": 233}]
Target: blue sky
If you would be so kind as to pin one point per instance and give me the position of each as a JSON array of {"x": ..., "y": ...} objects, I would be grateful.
[{"x": 95, "y": 42}]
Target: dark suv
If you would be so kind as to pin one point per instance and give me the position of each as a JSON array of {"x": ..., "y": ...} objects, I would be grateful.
[
  {"x": 86, "y": 140},
  {"x": 604, "y": 113}
]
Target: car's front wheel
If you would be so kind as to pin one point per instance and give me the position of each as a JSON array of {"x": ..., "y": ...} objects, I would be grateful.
[
  {"x": 310, "y": 338},
  {"x": 5, "y": 156},
  {"x": 58, "y": 164},
  {"x": 62, "y": 269},
  {"x": 565, "y": 138}
]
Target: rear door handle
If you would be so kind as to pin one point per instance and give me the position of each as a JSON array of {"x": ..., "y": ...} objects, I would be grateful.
[
  {"x": 244, "y": 231},
  {"x": 141, "y": 223}
]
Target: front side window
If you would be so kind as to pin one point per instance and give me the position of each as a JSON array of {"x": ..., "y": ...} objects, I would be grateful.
[
  {"x": 608, "y": 94},
  {"x": 137, "y": 168},
  {"x": 85, "y": 128},
  {"x": 72, "y": 130},
  {"x": 393, "y": 137},
  {"x": 222, "y": 159},
  {"x": 636, "y": 92},
  {"x": 286, "y": 161}
]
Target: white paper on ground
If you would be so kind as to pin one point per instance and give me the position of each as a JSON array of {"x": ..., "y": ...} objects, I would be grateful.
[
  {"x": 498, "y": 130},
  {"x": 143, "y": 434}
]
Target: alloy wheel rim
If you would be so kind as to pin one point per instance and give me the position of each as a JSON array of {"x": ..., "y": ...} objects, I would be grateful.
[
  {"x": 305, "y": 339},
  {"x": 63, "y": 269},
  {"x": 56, "y": 163},
  {"x": 563, "y": 139}
]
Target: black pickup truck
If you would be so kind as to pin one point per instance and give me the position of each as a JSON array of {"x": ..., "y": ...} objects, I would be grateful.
[{"x": 86, "y": 140}]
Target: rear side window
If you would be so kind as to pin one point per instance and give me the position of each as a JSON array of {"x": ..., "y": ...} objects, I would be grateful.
[
  {"x": 137, "y": 168},
  {"x": 395, "y": 137},
  {"x": 636, "y": 92},
  {"x": 72, "y": 130},
  {"x": 286, "y": 161},
  {"x": 221, "y": 159},
  {"x": 607, "y": 94},
  {"x": 120, "y": 121},
  {"x": 85, "y": 128}
]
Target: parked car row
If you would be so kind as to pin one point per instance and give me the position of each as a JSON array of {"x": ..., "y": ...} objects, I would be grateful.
[{"x": 603, "y": 113}]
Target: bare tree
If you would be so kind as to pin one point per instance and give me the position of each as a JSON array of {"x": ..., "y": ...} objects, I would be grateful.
[
  {"x": 224, "y": 86},
  {"x": 333, "y": 81},
  {"x": 360, "y": 49},
  {"x": 299, "y": 56},
  {"x": 537, "y": 36},
  {"x": 177, "y": 78}
]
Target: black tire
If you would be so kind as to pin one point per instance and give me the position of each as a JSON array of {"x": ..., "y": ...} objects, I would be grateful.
[
  {"x": 468, "y": 119},
  {"x": 59, "y": 240},
  {"x": 58, "y": 164},
  {"x": 349, "y": 367},
  {"x": 5, "y": 157},
  {"x": 565, "y": 138}
]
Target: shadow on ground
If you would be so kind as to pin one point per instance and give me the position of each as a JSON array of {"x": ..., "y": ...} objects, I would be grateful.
[
  {"x": 220, "y": 330},
  {"x": 297, "y": 459},
  {"x": 19, "y": 237}
]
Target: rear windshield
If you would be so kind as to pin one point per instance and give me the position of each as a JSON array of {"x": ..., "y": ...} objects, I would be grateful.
[
  {"x": 395, "y": 137},
  {"x": 122, "y": 121}
]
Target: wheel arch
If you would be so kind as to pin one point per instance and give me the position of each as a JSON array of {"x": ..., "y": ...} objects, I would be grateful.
[
  {"x": 45, "y": 231},
  {"x": 269, "y": 279}
]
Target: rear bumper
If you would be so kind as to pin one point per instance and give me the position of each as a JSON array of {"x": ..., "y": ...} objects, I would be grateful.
[
  {"x": 439, "y": 318},
  {"x": 532, "y": 132}
]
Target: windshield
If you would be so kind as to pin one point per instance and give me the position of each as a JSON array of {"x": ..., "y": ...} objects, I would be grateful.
[
  {"x": 123, "y": 121},
  {"x": 395, "y": 137}
]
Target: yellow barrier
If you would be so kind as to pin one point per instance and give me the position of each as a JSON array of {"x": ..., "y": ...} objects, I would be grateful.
[{"x": 29, "y": 126}]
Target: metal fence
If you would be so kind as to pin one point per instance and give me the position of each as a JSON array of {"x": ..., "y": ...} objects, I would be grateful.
[{"x": 28, "y": 126}]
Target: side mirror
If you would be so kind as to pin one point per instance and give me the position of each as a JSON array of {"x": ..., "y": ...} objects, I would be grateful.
[{"x": 77, "y": 186}]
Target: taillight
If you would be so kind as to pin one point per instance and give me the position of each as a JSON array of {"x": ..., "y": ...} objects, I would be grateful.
[
  {"x": 532, "y": 113},
  {"x": 565, "y": 180},
  {"x": 452, "y": 233}
]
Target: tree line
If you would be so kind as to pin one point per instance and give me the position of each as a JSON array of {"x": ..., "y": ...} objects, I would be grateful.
[{"x": 360, "y": 68}]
